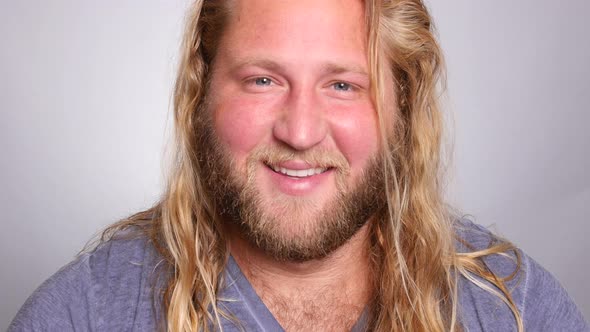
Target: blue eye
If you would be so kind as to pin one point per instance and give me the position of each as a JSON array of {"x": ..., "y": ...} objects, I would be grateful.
[
  {"x": 341, "y": 86},
  {"x": 262, "y": 81}
]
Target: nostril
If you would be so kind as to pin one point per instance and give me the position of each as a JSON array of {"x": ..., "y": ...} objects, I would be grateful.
[
  {"x": 299, "y": 140},
  {"x": 300, "y": 129}
]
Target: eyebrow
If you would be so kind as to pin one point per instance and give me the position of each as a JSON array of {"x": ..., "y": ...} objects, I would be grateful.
[
  {"x": 327, "y": 68},
  {"x": 335, "y": 68},
  {"x": 257, "y": 62}
]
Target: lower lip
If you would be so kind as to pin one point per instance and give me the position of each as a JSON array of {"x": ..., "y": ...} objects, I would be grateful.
[{"x": 295, "y": 186}]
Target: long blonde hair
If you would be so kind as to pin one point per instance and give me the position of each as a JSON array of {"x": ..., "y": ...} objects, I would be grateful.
[{"x": 415, "y": 260}]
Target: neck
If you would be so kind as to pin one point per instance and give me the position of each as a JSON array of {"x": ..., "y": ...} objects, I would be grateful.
[{"x": 339, "y": 280}]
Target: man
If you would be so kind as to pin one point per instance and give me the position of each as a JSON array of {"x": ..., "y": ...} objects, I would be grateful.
[{"x": 305, "y": 194}]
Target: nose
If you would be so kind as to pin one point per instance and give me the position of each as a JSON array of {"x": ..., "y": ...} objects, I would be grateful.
[{"x": 301, "y": 124}]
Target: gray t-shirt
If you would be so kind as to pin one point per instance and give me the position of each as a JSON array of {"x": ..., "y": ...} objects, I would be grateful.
[{"x": 117, "y": 286}]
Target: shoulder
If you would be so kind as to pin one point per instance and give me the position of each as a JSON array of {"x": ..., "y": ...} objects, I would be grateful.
[
  {"x": 108, "y": 285},
  {"x": 542, "y": 302},
  {"x": 50, "y": 304}
]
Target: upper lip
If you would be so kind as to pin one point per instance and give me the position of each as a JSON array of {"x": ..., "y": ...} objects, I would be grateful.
[
  {"x": 296, "y": 165},
  {"x": 297, "y": 168},
  {"x": 298, "y": 172}
]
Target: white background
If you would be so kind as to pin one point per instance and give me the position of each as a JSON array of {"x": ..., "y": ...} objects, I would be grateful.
[{"x": 84, "y": 97}]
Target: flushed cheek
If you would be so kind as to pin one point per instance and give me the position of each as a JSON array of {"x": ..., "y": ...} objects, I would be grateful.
[
  {"x": 242, "y": 124},
  {"x": 355, "y": 132}
]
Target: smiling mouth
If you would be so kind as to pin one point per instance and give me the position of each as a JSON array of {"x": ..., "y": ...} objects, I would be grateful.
[{"x": 298, "y": 173}]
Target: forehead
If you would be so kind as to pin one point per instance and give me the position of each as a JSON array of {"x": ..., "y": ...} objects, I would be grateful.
[{"x": 296, "y": 31}]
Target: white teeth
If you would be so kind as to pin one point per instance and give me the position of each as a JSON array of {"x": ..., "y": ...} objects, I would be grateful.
[{"x": 299, "y": 173}]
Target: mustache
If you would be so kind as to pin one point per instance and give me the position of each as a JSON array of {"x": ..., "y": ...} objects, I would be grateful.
[{"x": 316, "y": 157}]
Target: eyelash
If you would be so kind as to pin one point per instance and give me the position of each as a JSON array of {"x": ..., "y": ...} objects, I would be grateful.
[
  {"x": 338, "y": 86},
  {"x": 347, "y": 86},
  {"x": 259, "y": 79},
  {"x": 255, "y": 80}
]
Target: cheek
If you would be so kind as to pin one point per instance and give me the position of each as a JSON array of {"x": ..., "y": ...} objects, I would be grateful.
[
  {"x": 241, "y": 124},
  {"x": 355, "y": 132}
]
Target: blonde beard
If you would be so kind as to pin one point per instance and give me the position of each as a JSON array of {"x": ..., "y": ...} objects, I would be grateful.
[{"x": 239, "y": 203}]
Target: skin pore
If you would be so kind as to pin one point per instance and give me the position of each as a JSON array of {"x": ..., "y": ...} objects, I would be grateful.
[{"x": 295, "y": 142}]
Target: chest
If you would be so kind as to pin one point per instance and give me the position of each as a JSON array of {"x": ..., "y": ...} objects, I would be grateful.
[{"x": 313, "y": 313}]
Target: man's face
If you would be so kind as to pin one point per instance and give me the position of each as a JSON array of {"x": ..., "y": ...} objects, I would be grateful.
[{"x": 294, "y": 131}]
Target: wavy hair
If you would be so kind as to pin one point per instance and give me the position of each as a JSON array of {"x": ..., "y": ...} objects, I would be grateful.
[{"x": 413, "y": 249}]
